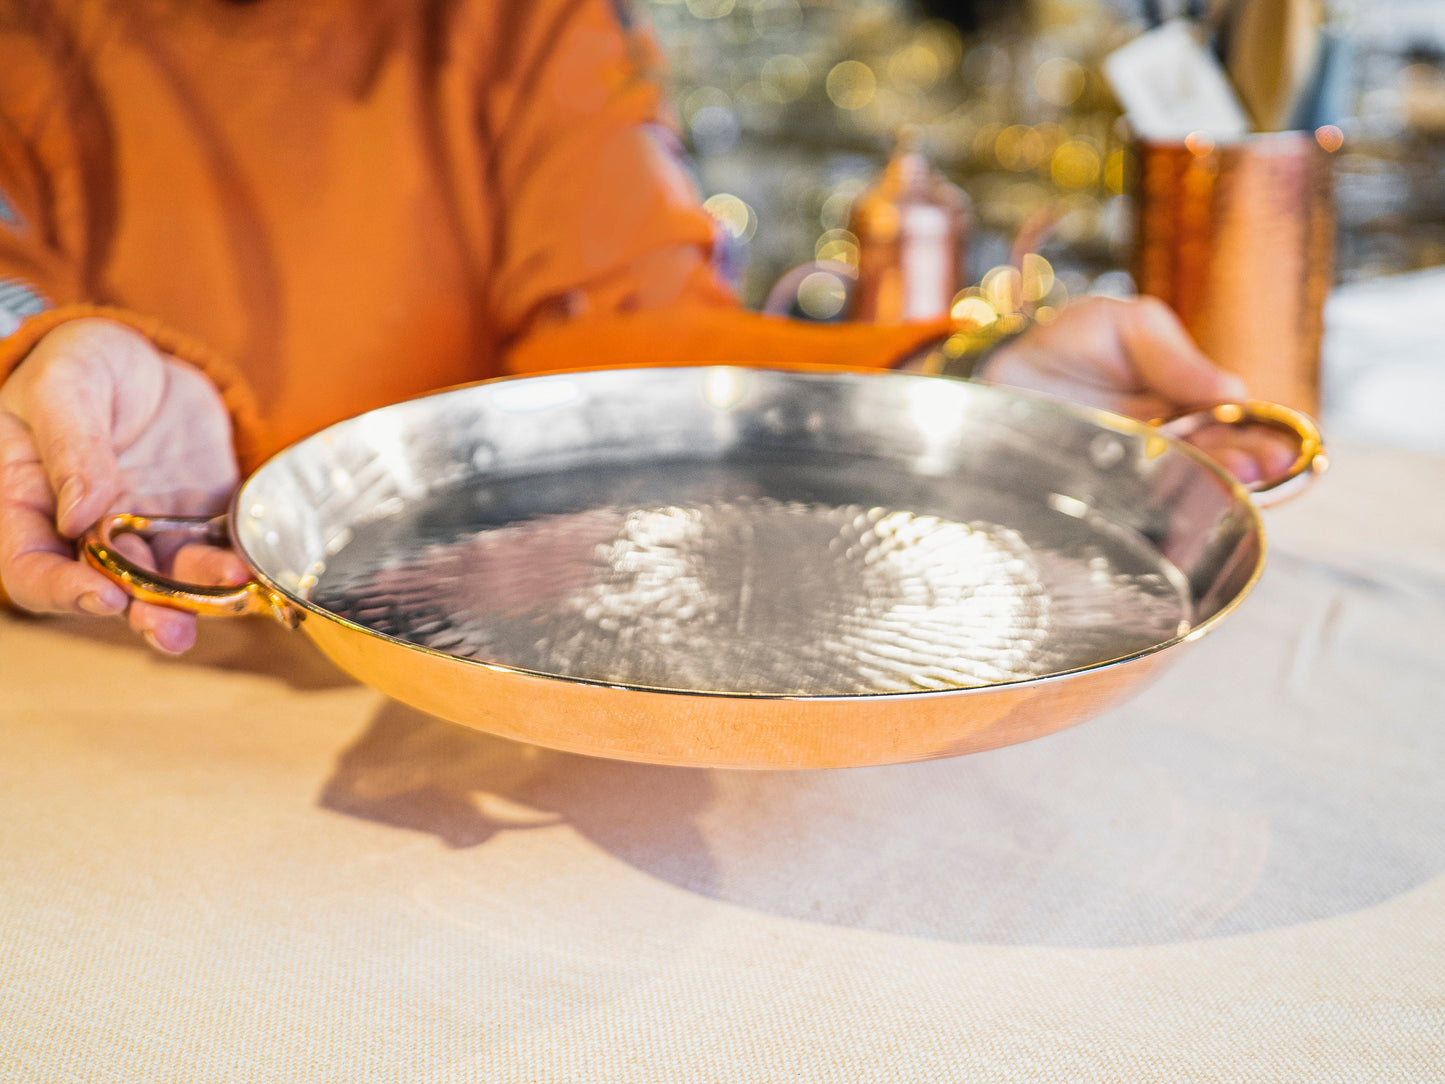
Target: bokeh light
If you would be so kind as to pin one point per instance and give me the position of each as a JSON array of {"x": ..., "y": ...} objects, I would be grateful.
[
  {"x": 837, "y": 209},
  {"x": 1038, "y": 277},
  {"x": 851, "y": 84},
  {"x": 943, "y": 40},
  {"x": 711, "y": 9},
  {"x": 785, "y": 78},
  {"x": 1002, "y": 288},
  {"x": 822, "y": 295},
  {"x": 973, "y": 312},
  {"x": 837, "y": 246},
  {"x": 1020, "y": 148},
  {"x": 735, "y": 216},
  {"x": 1115, "y": 170},
  {"x": 985, "y": 141},
  {"x": 1059, "y": 81},
  {"x": 1075, "y": 165},
  {"x": 1053, "y": 135},
  {"x": 704, "y": 98},
  {"x": 916, "y": 65}
]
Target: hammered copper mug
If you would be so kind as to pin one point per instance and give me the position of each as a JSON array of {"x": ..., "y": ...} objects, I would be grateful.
[{"x": 1238, "y": 238}]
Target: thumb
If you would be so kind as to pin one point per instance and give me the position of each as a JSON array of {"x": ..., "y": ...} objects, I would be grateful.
[
  {"x": 72, "y": 432},
  {"x": 66, "y": 393},
  {"x": 1169, "y": 363}
]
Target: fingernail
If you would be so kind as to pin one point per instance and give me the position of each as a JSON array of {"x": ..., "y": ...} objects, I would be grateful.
[
  {"x": 101, "y": 605},
  {"x": 154, "y": 641},
  {"x": 71, "y": 494}
]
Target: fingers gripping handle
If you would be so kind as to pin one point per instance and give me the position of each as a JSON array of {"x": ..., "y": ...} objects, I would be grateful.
[
  {"x": 1310, "y": 460},
  {"x": 98, "y": 549}
]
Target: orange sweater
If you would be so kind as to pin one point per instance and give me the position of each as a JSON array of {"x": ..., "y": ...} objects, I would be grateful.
[{"x": 330, "y": 205}]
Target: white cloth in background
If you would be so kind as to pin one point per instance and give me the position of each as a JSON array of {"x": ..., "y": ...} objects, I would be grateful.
[{"x": 1384, "y": 362}]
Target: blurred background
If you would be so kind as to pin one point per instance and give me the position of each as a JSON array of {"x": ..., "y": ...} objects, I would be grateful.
[{"x": 791, "y": 107}]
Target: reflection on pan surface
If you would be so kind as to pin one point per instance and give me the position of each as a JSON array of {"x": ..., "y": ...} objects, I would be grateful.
[{"x": 754, "y": 576}]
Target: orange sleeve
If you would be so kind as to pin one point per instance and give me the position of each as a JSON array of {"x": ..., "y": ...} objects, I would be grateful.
[
  {"x": 696, "y": 335},
  {"x": 606, "y": 253},
  {"x": 42, "y": 247},
  {"x": 57, "y": 207}
]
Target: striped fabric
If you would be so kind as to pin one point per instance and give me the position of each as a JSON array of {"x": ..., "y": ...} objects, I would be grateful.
[
  {"x": 9, "y": 214},
  {"x": 18, "y": 300}
]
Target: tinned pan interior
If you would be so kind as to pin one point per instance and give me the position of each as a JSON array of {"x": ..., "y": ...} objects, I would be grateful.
[{"x": 306, "y": 503}]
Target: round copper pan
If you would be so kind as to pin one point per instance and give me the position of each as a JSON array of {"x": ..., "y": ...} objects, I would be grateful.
[{"x": 743, "y": 567}]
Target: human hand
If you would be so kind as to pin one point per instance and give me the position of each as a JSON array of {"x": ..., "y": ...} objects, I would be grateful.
[
  {"x": 95, "y": 419},
  {"x": 1135, "y": 358}
]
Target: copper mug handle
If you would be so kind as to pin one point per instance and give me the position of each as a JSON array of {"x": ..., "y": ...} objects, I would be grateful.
[
  {"x": 1310, "y": 460},
  {"x": 97, "y": 547}
]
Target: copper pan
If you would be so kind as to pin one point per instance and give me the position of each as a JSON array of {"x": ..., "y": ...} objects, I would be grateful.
[{"x": 743, "y": 567}]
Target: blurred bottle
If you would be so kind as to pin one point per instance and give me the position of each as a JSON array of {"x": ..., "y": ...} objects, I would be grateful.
[{"x": 912, "y": 228}]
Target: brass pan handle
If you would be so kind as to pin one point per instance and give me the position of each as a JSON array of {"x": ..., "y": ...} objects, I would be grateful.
[
  {"x": 1310, "y": 459},
  {"x": 97, "y": 547}
]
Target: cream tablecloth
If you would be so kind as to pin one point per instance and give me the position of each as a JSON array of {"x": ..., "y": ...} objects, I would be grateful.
[{"x": 243, "y": 867}]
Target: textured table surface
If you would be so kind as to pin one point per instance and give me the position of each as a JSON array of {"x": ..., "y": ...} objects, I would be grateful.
[{"x": 243, "y": 867}]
